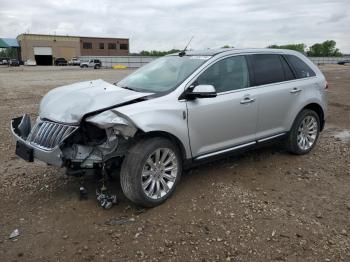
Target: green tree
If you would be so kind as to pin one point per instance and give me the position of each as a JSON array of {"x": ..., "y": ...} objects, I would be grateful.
[
  {"x": 296, "y": 47},
  {"x": 227, "y": 46},
  {"x": 8, "y": 53},
  {"x": 327, "y": 48}
]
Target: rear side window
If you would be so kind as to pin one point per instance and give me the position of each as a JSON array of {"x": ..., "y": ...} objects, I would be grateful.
[
  {"x": 301, "y": 69},
  {"x": 226, "y": 75},
  {"x": 288, "y": 73},
  {"x": 267, "y": 69}
]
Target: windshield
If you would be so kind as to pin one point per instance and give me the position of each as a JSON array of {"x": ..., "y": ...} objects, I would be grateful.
[{"x": 163, "y": 74}]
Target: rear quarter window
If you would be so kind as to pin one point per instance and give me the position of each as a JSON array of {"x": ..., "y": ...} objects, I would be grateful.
[
  {"x": 267, "y": 69},
  {"x": 301, "y": 69},
  {"x": 288, "y": 73}
]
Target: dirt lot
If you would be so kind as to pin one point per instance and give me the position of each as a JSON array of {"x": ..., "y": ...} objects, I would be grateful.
[{"x": 263, "y": 205}]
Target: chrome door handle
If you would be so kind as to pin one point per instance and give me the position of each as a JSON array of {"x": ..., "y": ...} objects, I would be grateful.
[
  {"x": 247, "y": 100},
  {"x": 295, "y": 90}
]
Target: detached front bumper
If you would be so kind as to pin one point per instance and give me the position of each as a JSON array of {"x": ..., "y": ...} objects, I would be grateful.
[{"x": 42, "y": 142}]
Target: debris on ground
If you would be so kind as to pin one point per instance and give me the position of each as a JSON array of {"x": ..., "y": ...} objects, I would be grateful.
[
  {"x": 106, "y": 200},
  {"x": 83, "y": 193},
  {"x": 119, "y": 221},
  {"x": 14, "y": 234}
]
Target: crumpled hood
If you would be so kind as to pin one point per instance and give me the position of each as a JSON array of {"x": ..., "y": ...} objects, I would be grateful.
[{"x": 68, "y": 104}]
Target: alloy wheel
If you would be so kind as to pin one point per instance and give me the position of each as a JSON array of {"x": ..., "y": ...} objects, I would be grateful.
[
  {"x": 159, "y": 173},
  {"x": 307, "y": 132}
]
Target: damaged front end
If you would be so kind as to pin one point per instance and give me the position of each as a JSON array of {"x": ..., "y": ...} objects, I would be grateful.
[
  {"x": 41, "y": 142},
  {"x": 96, "y": 140},
  {"x": 101, "y": 137}
]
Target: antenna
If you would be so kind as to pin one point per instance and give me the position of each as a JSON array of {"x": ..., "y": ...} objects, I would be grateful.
[{"x": 183, "y": 52}]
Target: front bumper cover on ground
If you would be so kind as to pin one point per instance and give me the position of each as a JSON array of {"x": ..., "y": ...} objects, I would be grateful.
[{"x": 21, "y": 128}]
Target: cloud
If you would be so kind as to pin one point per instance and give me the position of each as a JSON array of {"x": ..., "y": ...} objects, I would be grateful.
[{"x": 152, "y": 24}]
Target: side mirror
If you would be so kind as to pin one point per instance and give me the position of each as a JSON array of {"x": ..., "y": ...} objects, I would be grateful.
[{"x": 202, "y": 91}]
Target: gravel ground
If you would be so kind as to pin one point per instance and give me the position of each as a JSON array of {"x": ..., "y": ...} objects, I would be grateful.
[{"x": 263, "y": 205}]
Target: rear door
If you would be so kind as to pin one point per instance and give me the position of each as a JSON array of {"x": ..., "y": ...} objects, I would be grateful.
[
  {"x": 278, "y": 93},
  {"x": 229, "y": 119}
]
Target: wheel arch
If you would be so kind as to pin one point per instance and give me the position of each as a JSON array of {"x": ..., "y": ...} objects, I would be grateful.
[
  {"x": 176, "y": 141},
  {"x": 319, "y": 110}
]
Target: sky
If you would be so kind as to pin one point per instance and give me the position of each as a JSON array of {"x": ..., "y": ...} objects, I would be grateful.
[{"x": 167, "y": 24}]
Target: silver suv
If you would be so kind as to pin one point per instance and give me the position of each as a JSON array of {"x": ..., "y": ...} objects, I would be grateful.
[{"x": 175, "y": 111}]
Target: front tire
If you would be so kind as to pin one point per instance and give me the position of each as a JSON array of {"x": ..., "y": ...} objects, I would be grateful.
[
  {"x": 304, "y": 133},
  {"x": 150, "y": 171}
]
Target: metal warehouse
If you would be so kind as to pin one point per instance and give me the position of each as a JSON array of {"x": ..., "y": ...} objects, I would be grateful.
[{"x": 44, "y": 49}]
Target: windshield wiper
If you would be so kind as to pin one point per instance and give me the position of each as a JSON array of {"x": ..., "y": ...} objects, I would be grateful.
[{"x": 129, "y": 88}]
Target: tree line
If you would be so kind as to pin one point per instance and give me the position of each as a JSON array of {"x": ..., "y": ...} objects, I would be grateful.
[{"x": 327, "y": 48}]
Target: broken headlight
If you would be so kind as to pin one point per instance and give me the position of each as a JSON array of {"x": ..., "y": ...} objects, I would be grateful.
[{"x": 111, "y": 119}]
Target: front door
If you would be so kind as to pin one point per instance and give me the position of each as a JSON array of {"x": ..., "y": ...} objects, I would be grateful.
[{"x": 229, "y": 119}]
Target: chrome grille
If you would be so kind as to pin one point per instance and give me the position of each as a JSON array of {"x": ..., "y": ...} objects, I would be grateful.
[{"x": 48, "y": 135}]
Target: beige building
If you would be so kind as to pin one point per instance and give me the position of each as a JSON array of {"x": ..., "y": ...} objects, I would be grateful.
[{"x": 44, "y": 49}]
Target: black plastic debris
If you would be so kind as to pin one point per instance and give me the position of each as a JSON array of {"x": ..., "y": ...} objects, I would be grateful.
[{"x": 83, "y": 193}]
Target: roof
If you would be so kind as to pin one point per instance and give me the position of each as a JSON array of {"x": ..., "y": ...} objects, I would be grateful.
[
  {"x": 213, "y": 52},
  {"x": 8, "y": 42},
  {"x": 208, "y": 52}
]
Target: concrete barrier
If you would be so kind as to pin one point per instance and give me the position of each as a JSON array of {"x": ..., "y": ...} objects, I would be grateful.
[
  {"x": 128, "y": 61},
  {"x": 328, "y": 60}
]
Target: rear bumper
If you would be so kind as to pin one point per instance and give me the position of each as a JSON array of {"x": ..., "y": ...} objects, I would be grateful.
[{"x": 20, "y": 128}]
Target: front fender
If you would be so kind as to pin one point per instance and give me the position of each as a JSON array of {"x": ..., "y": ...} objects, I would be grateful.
[{"x": 166, "y": 116}]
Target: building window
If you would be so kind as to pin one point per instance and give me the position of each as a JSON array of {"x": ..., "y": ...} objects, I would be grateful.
[
  {"x": 102, "y": 46},
  {"x": 112, "y": 46},
  {"x": 124, "y": 46},
  {"x": 87, "y": 45}
]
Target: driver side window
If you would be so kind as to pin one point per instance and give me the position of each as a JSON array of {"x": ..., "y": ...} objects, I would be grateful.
[{"x": 226, "y": 75}]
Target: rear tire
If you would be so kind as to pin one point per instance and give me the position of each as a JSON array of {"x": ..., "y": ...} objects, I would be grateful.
[
  {"x": 146, "y": 178},
  {"x": 304, "y": 133}
]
